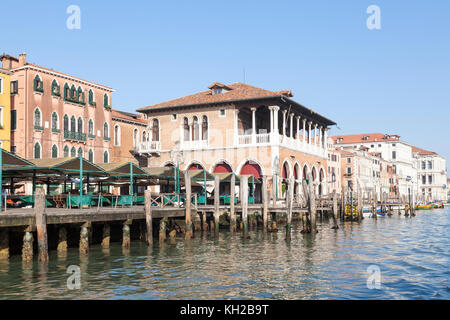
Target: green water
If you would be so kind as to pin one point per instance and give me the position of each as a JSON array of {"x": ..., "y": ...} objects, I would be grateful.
[{"x": 412, "y": 255}]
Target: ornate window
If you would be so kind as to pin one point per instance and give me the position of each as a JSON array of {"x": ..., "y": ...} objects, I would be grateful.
[
  {"x": 66, "y": 123},
  {"x": 91, "y": 155},
  {"x": 117, "y": 135},
  {"x": 155, "y": 130},
  {"x": 80, "y": 125},
  {"x": 105, "y": 157},
  {"x": 186, "y": 129},
  {"x": 106, "y": 101},
  {"x": 37, "y": 150},
  {"x": 37, "y": 119},
  {"x": 66, "y": 91},
  {"x": 73, "y": 124},
  {"x": 55, "y": 151},
  {"x": 55, "y": 122},
  {"x": 66, "y": 151},
  {"x": 80, "y": 152},
  {"x": 135, "y": 138},
  {"x": 105, "y": 130},
  {"x": 91, "y": 128},
  {"x": 91, "y": 98},
  {"x": 73, "y": 152},
  {"x": 38, "y": 84},
  {"x": 205, "y": 128},
  {"x": 195, "y": 129},
  {"x": 55, "y": 89},
  {"x": 80, "y": 95}
]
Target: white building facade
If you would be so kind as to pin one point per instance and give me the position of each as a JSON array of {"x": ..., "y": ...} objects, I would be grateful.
[{"x": 431, "y": 175}]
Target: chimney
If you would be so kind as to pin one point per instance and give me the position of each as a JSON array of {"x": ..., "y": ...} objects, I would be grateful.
[{"x": 22, "y": 59}]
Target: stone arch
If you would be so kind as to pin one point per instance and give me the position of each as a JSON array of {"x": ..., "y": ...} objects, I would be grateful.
[
  {"x": 195, "y": 165},
  {"x": 224, "y": 165},
  {"x": 243, "y": 162}
]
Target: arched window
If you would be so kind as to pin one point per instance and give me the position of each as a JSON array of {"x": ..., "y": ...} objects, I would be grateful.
[
  {"x": 37, "y": 118},
  {"x": 195, "y": 129},
  {"x": 55, "y": 89},
  {"x": 91, "y": 127},
  {"x": 66, "y": 151},
  {"x": 105, "y": 157},
  {"x": 66, "y": 122},
  {"x": 80, "y": 152},
  {"x": 135, "y": 137},
  {"x": 37, "y": 150},
  {"x": 91, "y": 155},
  {"x": 73, "y": 124},
  {"x": 38, "y": 84},
  {"x": 91, "y": 98},
  {"x": 106, "y": 131},
  {"x": 155, "y": 130},
  {"x": 55, "y": 151},
  {"x": 80, "y": 125},
  {"x": 106, "y": 101},
  {"x": 186, "y": 129},
  {"x": 73, "y": 93},
  {"x": 55, "y": 124},
  {"x": 73, "y": 152},
  {"x": 205, "y": 128},
  {"x": 117, "y": 135},
  {"x": 66, "y": 91},
  {"x": 80, "y": 95},
  {"x": 144, "y": 136}
]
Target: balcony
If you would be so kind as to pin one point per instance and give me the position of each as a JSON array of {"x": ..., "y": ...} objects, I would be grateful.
[
  {"x": 148, "y": 147},
  {"x": 194, "y": 145},
  {"x": 74, "y": 136}
]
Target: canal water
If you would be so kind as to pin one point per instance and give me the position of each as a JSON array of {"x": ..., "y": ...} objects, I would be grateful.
[{"x": 391, "y": 258}]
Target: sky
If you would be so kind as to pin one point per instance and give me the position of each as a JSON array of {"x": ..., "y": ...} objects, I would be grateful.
[{"x": 392, "y": 80}]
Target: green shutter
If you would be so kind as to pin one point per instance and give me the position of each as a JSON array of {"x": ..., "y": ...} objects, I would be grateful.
[{"x": 13, "y": 119}]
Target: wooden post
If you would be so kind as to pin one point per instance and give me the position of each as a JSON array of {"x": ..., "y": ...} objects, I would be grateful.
[
  {"x": 312, "y": 204},
  {"x": 106, "y": 236},
  {"x": 148, "y": 217},
  {"x": 62, "y": 240},
  {"x": 289, "y": 203},
  {"x": 4, "y": 244},
  {"x": 188, "y": 221},
  {"x": 232, "y": 199},
  {"x": 265, "y": 199},
  {"x": 162, "y": 229},
  {"x": 335, "y": 210},
  {"x": 27, "y": 247},
  {"x": 126, "y": 239},
  {"x": 274, "y": 196},
  {"x": 41, "y": 224},
  {"x": 244, "y": 202},
  {"x": 375, "y": 203},
  {"x": 360, "y": 203},
  {"x": 216, "y": 202},
  {"x": 306, "y": 227},
  {"x": 84, "y": 238}
]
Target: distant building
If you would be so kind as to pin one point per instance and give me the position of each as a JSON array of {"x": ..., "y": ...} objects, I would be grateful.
[
  {"x": 431, "y": 175},
  {"x": 334, "y": 168},
  {"x": 396, "y": 152},
  {"x": 57, "y": 115},
  {"x": 5, "y": 109}
]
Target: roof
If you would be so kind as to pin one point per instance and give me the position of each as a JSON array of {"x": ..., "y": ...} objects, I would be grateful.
[
  {"x": 27, "y": 65},
  {"x": 69, "y": 164},
  {"x": 423, "y": 152},
  {"x": 128, "y": 117},
  {"x": 4, "y": 71},
  {"x": 364, "y": 138},
  {"x": 10, "y": 159},
  {"x": 122, "y": 168},
  {"x": 237, "y": 91}
]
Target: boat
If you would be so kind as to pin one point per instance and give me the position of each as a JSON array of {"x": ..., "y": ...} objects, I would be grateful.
[
  {"x": 446, "y": 204},
  {"x": 424, "y": 207},
  {"x": 438, "y": 204}
]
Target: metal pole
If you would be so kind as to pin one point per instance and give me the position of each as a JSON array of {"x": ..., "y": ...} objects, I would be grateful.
[{"x": 81, "y": 183}]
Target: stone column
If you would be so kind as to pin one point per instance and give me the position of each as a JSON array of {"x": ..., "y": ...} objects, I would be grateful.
[
  {"x": 297, "y": 133},
  {"x": 320, "y": 136},
  {"x": 325, "y": 132},
  {"x": 284, "y": 123},
  {"x": 315, "y": 134},
  {"x": 309, "y": 132},
  {"x": 253, "y": 125},
  {"x": 304, "y": 130},
  {"x": 271, "y": 119},
  {"x": 291, "y": 128}
]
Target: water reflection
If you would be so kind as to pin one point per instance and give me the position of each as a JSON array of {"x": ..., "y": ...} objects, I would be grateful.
[{"x": 412, "y": 255}]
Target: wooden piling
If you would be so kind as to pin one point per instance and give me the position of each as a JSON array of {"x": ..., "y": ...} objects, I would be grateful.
[
  {"x": 4, "y": 244},
  {"x": 188, "y": 221},
  {"x": 360, "y": 203},
  {"x": 375, "y": 203},
  {"x": 232, "y": 199},
  {"x": 27, "y": 247},
  {"x": 162, "y": 229},
  {"x": 289, "y": 202},
  {"x": 244, "y": 202},
  {"x": 312, "y": 205},
  {"x": 306, "y": 226},
  {"x": 148, "y": 217},
  {"x": 106, "y": 236},
  {"x": 265, "y": 199},
  {"x": 126, "y": 239},
  {"x": 84, "y": 238},
  {"x": 62, "y": 240},
  {"x": 216, "y": 202},
  {"x": 335, "y": 210},
  {"x": 41, "y": 224}
]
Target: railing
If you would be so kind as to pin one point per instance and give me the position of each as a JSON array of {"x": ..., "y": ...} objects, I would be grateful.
[
  {"x": 75, "y": 136},
  {"x": 148, "y": 146},
  {"x": 194, "y": 144}
]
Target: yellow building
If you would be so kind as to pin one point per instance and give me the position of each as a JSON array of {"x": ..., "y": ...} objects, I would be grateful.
[{"x": 5, "y": 109}]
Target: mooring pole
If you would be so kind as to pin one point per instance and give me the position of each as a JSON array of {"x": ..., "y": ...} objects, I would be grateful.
[
  {"x": 244, "y": 202},
  {"x": 265, "y": 199},
  {"x": 216, "y": 202},
  {"x": 41, "y": 225},
  {"x": 188, "y": 222},
  {"x": 148, "y": 216}
]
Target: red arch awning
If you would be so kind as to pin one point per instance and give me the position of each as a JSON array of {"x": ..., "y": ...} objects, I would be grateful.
[
  {"x": 251, "y": 168},
  {"x": 195, "y": 166},
  {"x": 222, "y": 168}
]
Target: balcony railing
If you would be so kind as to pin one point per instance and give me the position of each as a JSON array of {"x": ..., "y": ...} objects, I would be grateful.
[
  {"x": 74, "y": 136},
  {"x": 195, "y": 144},
  {"x": 148, "y": 147}
]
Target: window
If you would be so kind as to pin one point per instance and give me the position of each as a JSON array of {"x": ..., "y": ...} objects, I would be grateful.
[
  {"x": 37, "y": 150},
  {"x": 91, "y": 155},
  {"x": 66, "y": 122},
  {"x": 13, "y": 119},
  {"x": 424, "y": 179},
  {"x": 55, "y": 124},
  {"x": 37, "y": 119},
  {"x": 91, "y": 98},
  {"x": 73, "y": 124},
  {"x": 117, "y": 135},
  {"x": 106, "y": 102},
  {"x": 1, "y": 85},
  {"x": 155, "y": 130},
  {"x": 349, "y": 160},
  {"x": 430, "y": 179},
  {"x": 73, "y": 152},
  {"x": 105, "y": 157},
  {"x": 144, "y": 136},
  {"x": 174, "y": 117},
  {"x": 80, "y": 125},
  {"x": 195, "y": 129},
  {"x": 55, "y": 89},
  {"x": 217, "y": 91},
  {"x": 349, "y": 170},
  {"x": 424, "y": 165},
  {"x": 66, "y": 151},
  {"x": 1, "y": 117},
  {"x": 222, "y": 113},
  {"x": 66, "y": 91},
  {"x": 430, "y": 165},
  {"x": 55, "y": 151},
  {"x": 105, "y": 131},
  {"x": 38, "y": 84},
  {"x": 394, "y": 155},
  {"x": 186, "y": 129},
  {"x": 14, "y": 87},
  {"x": 135, "y": 138},
  {"x": 73, "y": 93},
  {"x": 205, "y": 128},
  {"x": 91, "y": 128},
  {"x": 80, "y": 95},
  {"x": 80, "y": 152}
]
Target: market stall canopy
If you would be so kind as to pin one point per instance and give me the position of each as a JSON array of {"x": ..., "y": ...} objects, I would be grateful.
[
  {"x": 11, "y": 160},
  {"x": 70, "y": 166},
  {"x": 201, "y": 175},
  {"x": 123, "y": 169}
]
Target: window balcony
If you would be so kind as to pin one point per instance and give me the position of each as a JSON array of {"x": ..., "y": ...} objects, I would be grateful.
[
  {"x": 148, "y": 147},
  {"x": 107, "y": 138},
  {"x": 56, "y": 130},
  {"x": 40, "y": 128},
  {"x": 194, "y": 144},
  {"x": 74, "y": 136},
  {"x": 91, "y": 136}
]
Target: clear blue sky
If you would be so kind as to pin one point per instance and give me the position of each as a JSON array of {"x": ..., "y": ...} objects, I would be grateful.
[{"x": 393, "y": 80}]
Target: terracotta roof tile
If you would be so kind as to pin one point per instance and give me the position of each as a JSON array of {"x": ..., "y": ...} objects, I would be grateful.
[
  {"x": 120, "y": 115},
  {"x": 238, "y": 91},
  {"x": 423, "y": 152},
  {"x": 364, "y": 138}
]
